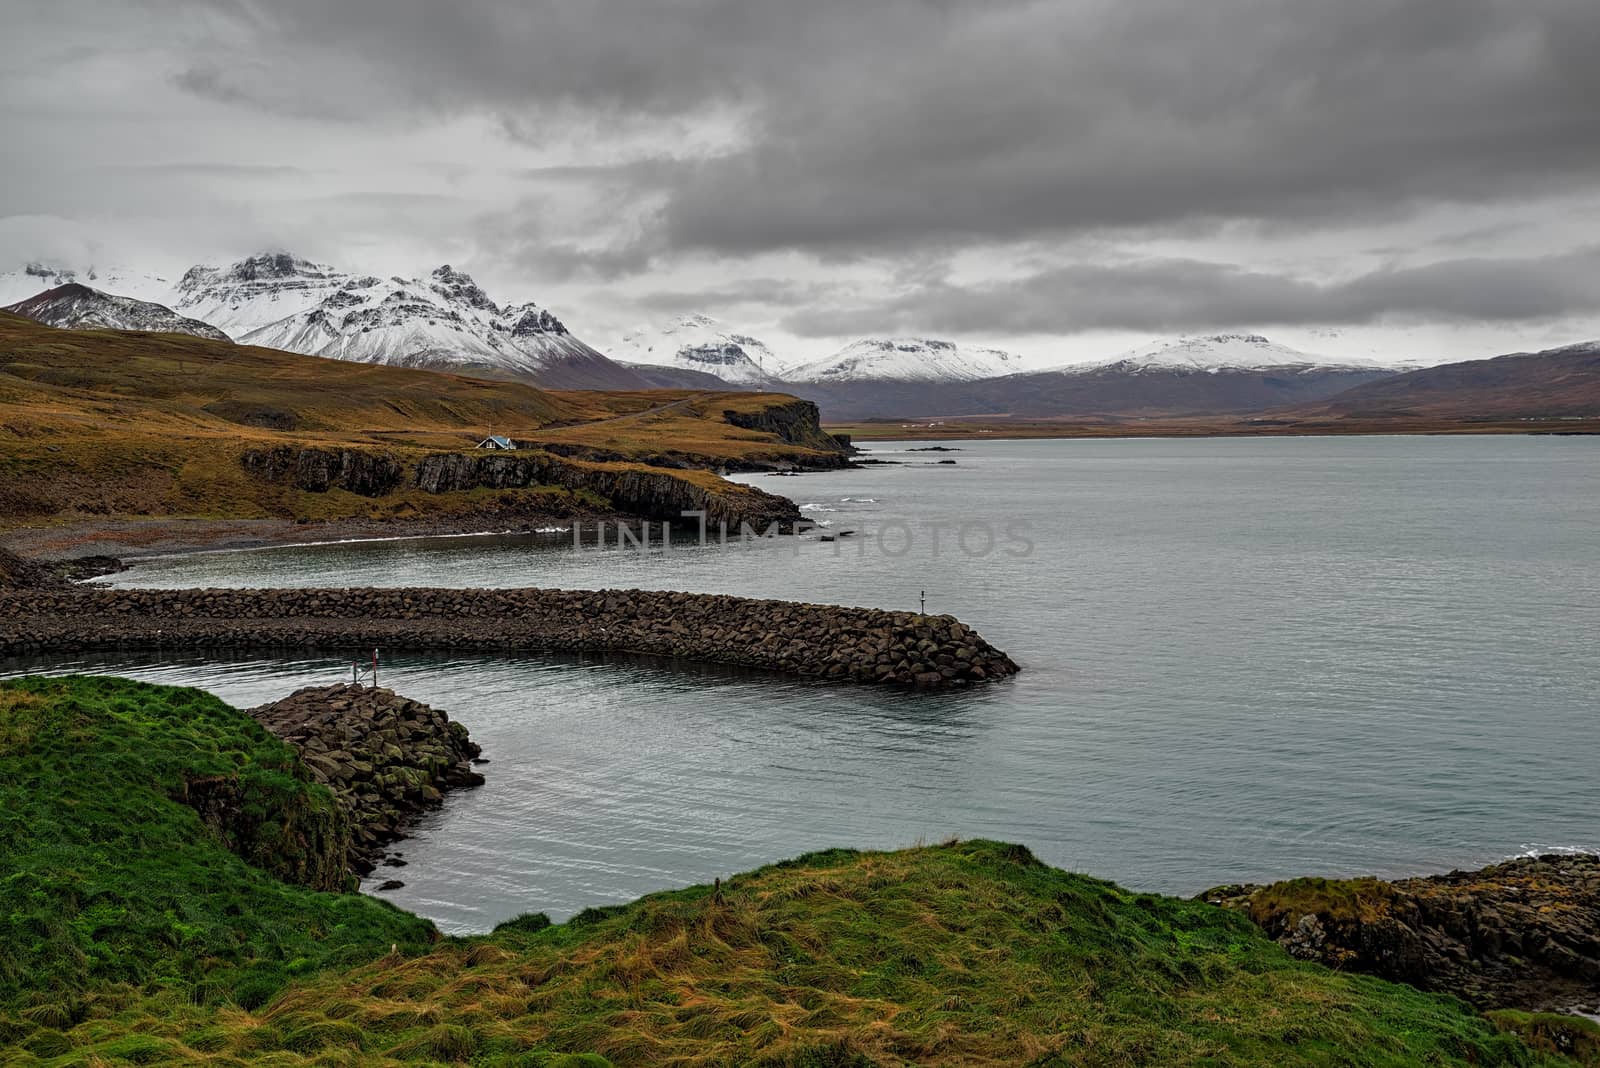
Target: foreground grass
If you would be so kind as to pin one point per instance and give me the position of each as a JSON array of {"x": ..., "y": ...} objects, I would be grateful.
[
  {"x": 965, "y": 953},
  {"x": 108, "y": 882}
]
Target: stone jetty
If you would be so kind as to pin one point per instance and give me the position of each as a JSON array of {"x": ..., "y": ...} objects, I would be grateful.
[
  {"x": 816, "y": 641},
  {"x": 386, "y": 758}
]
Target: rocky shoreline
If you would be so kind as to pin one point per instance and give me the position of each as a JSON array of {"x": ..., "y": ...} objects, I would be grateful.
[
  {"x": 808, "y": 640},
  {"x": 142, "y": 538},
  {"x": 1524, "y": 934}
]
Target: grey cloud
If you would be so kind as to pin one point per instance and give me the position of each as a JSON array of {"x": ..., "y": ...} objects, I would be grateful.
[
  {"x": 1187, "y": 295},
  {"x": 896, "y": 136},
  {"x": 219, "y": 170},
  {"x": 768, "y": 292},
  {"x": 887, "y": 125}
]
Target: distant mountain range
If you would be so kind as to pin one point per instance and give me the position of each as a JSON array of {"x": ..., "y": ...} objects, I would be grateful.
[
  {"x": 441, "y": 321},
  {"x": 690, "y": 347},
  {"x": 1553, "y": 385},
  {"x": 907, "y": 359},
  {"x": 444, "y": 320}
]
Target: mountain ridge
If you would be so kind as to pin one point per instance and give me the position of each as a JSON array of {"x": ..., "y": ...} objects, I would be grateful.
[
  {"x": 443, "y": 321},
  {"x": 74, "y": 306}
]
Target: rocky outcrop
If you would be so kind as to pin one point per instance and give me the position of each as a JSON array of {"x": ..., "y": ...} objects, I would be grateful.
[
  {"x": 1524, "y": 934},
  {"x": 818, "y": 641},
  {"x": 796, "y": 422},
  {"x": 636, "y": 490},
  {"x": 320, "y": 470},
  {"x": 386, "y": 758}
]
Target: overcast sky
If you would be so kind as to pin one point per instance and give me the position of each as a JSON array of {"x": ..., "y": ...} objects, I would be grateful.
[{"x": 1412, "y": 179}]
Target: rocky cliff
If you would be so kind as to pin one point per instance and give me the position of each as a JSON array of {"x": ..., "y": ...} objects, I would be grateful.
[
  {"x": 368, "y": 474},
  {"x": 636, "y": 490},
  {"x": 629, "y": 488},
  {"x": 797, "y": 422}
]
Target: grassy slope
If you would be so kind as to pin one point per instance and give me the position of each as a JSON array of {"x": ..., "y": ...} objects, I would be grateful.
[
  {"x": 969, "y": 953},
  {"x": 107, "y": 881},
  {"x": 126, "y": 424}
]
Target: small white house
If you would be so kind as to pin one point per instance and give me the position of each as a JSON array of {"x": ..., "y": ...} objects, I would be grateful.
[{"x": 497, "y": 441}]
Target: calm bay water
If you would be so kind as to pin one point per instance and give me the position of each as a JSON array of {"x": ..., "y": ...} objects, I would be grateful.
[{"x": 1243, "y": 660}]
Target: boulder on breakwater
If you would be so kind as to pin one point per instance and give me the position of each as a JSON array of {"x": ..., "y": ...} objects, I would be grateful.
[
  {"x": 818, "y": 641},
  {"x": 386, "y": 758},
  {"x": 1524, "y": 934}
]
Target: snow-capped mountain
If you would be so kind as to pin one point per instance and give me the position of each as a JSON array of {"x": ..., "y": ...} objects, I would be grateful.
[
  {"x": 700, "y": 343},
  {"x": 444, "y": 320},
  {"x": 1214, "y": 353},
  {"x": 31, "y": 279},
  {"x": 255, "y": 292},
  {"x": 907, "y": 360},
  {"x": 78, "y": 307}
]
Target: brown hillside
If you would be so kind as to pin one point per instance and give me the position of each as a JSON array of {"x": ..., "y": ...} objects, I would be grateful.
[{"x": 120, "y": 424}]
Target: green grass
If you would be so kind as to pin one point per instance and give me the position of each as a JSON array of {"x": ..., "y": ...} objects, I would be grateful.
[
  {"x": 964, "y": 953},
  {"x": 107, "y": 881}
]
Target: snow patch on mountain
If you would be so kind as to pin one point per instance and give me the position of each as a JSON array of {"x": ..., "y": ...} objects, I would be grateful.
[
  {"x": 1214, "y": 353},
  {"x": 256, "y": 291},
  {"x": 72, "y": 306},
  {"x": 31, "y": 279},
  {"x": 908, "y": 360},
  {"x": 700, "y": 343}
]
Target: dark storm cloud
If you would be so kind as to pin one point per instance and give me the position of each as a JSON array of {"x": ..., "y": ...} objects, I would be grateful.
[
  {"x": 872, "y": 127},
  {"x": 1168, "y": 295}
]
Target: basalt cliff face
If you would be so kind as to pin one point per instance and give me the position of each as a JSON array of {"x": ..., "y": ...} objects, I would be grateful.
[
  {"x": 639, "y": 491},
  {"x": 1522, "y": 935},
  {"x": 320, "y": 470},
  {"x": 632, "y": 489},
  {"x": 796, "y": 422}
]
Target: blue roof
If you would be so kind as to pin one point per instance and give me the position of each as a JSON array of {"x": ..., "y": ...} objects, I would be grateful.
[{"x": 500, "y": 440}]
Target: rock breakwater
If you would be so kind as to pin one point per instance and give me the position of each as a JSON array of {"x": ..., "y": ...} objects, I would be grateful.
[
  {"x": 385, "y": 757},
  {"x": 818, "y": 641},
  {"x": 1524, "y": 934}
]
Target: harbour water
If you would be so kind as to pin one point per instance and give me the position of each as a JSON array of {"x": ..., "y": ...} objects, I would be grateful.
[{"x": 1243, "y": 659}]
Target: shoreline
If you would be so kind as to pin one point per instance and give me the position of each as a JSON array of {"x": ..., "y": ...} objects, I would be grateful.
[
  {"x": 149, "y": 539},
  {"x": 965, "y": 429}
]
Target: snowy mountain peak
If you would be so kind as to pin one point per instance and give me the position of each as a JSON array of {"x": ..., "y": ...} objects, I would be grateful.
[
  {"x": 909, "y": 360},
  {"x": 277, "y": 266},
  {"x": 73, "y": 306},
  {"x": 530, "y": 320},
  {"x": 1215, "y": 352},
  {"x": 458, "y": 286},
  {"x": 700, "y": 343}
]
